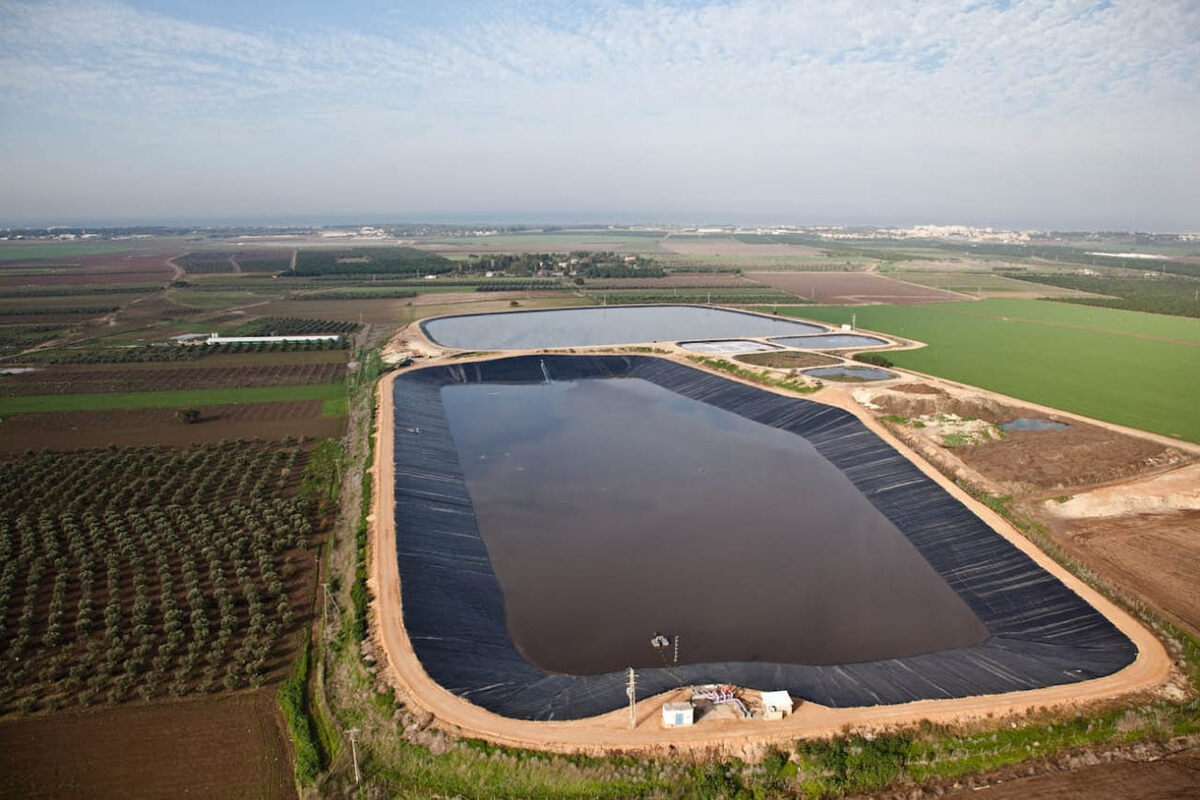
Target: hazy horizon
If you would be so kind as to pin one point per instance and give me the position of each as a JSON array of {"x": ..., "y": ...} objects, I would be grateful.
[{"x": 1046, "y": 115}]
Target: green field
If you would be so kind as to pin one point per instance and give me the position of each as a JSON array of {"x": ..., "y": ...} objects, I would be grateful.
[
  {"x": 975, "y": 282},
  {"x": 67, "y": 250},
  {"x": 1126, "y": 367},
  {"x": 334, "y": 395}
]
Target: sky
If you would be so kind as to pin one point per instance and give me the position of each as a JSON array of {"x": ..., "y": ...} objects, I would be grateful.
[{"x": 1065, "y": 114}]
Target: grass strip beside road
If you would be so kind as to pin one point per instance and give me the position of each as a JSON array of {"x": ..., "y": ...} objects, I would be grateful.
[{"x": 333, "y": 395}]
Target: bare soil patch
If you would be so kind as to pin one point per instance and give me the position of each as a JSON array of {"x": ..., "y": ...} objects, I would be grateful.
[
  {"x": 1023, "y": 463},
  {"x": 373, "y": 311},
  {"x": 1168, "y": 778},
  {"x": 82, "y": 429},
  {"x": 851, "y": 288},
  {"x": 786, "y": 360},
  {"x": 676, "y": 280},
  {"x": 402, "y": 311},
  {"x": 225, "y": 746},
  {"x": 108, "y": 268},
  {"x": 1155, "y": 555}
]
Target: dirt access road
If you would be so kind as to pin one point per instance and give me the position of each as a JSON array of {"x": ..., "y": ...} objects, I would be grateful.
[{"x": 612, "y": 731}]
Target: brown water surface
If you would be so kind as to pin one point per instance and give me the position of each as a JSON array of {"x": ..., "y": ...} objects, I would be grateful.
[{"x": 614, "y": 509}]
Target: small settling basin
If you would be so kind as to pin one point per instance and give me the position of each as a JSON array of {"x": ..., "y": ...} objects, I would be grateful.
[
  {"x": 1033, "y": 424},
  {"x": 555, "y": 513}
]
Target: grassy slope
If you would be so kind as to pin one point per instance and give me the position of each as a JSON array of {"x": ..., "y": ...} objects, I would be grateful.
[
  {"x": 334, "y": 395},
  {"x": 1093, "y": 361}
]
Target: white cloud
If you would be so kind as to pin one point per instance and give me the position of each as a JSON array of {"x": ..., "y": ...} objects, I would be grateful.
[{"x": 656, "y": 89}]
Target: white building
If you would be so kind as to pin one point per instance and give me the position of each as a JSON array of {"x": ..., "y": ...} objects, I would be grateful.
[
  {"x": 675, "y": 715},
  {"x": 776, "y": 705}
]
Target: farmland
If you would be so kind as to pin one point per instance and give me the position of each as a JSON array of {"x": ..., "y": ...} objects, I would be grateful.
[
  {"x": 1119, "y": 366},
  {"x": 158, "y": 749},
  {"x": 849, "y": 288},
  {"x": 725, "y": 296},
  {"x": 92, "y": 380},
  {"x": 147, "y": 426},
  {"x": 163, "y": 352},
  {"x": 986, "y": 284},
  {"x": 193, "y": 735},
  {"x": 148, "y": 572},
  {"x": 1158, "y": 294},
  {"x": 333, "y": 394}
]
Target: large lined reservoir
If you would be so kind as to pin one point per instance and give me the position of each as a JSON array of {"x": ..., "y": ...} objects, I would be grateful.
[
  {"x": 585, "y": 327},
  {"x": 628, "y": 495},
  {"x": 554, "y": 513}
]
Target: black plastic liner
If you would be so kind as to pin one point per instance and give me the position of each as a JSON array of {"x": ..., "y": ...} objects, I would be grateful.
[{"x": 1042, "y": 633}]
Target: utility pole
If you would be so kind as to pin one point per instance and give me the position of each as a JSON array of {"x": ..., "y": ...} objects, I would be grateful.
[
  {"x": 631, "y": 690},
  {"x": 354, "y": 751}
]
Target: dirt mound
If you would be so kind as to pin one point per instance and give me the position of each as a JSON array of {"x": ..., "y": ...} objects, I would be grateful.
[
  {"x": 1082, "y": 455},
  {"x": 921, "y": 404},
  {"x": 1177, "y": 490},
  {"x": 917, "y": 388}
]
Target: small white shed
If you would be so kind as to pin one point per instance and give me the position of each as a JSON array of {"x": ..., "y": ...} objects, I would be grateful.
[
  {"x": 675, "y": 715},
  {"x": 776, "y": 705}
]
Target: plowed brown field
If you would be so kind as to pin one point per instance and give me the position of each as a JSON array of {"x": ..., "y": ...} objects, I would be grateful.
[
  {"x": 228, "y": 746},
  {"x": 79, "y": 429},
  {"x": 107, "y": 268},
  {"x": 851, "y": 288},
  {"x": 1174, "y": 777}
]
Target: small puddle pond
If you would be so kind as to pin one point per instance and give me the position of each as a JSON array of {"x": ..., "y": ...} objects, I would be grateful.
[
  {"x": 849, "y": 373},
  {"x": 1033, "y": 424}
]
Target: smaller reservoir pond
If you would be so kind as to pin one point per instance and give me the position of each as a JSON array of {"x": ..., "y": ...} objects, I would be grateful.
[
  {"x": 613, "y": 509},
  {"x": 1033, "y": 424},
  {"x": 584, "y": 327},
  {"x": 832, "y": 341},
  {"x": 850, "y": 373}
]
